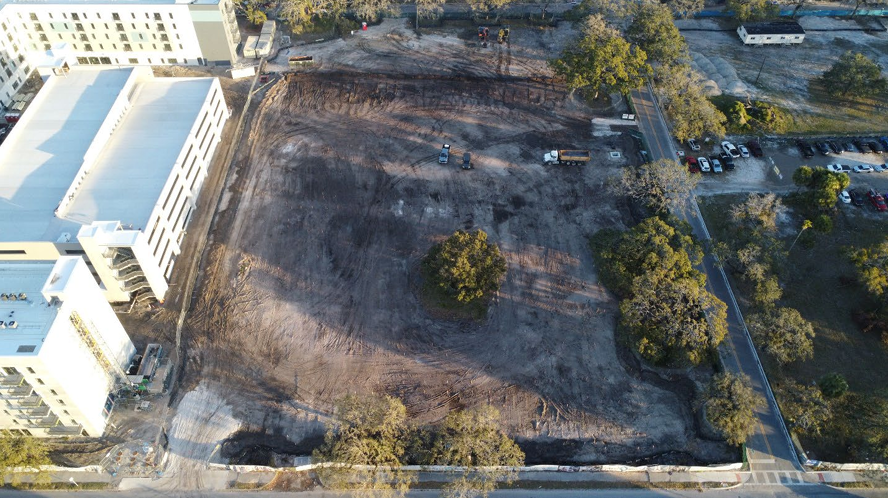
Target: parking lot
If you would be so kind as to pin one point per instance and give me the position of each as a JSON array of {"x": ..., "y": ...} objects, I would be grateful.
[{"x": 758, "y": 174}]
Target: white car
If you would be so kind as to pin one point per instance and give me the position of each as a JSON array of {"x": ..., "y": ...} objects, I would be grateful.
[
  {"x": 838, "y": 168},
  {"x": 880, "y": 168},
  {"x": 705, "y": 167},
  {"x": 744, "y": 152},
  {"x": 730, "y": 149},
  {"x": 845, "y": 197},
  {"x": 693, "y": 144},
  {"x": 863, "y": 168},
  {"x": 716, "y": 165}
]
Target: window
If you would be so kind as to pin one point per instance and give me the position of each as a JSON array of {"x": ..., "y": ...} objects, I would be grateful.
[
  {"x": 40, "y": 382},
  {"x": 123, "y": 37},
  {"x": 82, "y": 60},
  {"x": 43, "y": 38},
  {"x": 87, "y": 47},
  {"x": 134, "y": 61},
  {"x": 29, "y": 348},
  {"x": 52, "y": 391},
  {"x": 30, "y": 370},
  {"x": 167, "y": 48},
  {"x": 83, "y": 37},
  {"x": 172, "y": 61},
  {"x": 75, "y": 17},
  {"x": 164, "y": 37},
  {"x": 33, "y": 18},
  {"x": 47, "y": 46},
  {"x": 65, "y": 412},
  {"x": 105, "y": 60},
  {"x": 93, "y": 60},
  {"x": 157, "y": 16},
  {"x": 38, "y": 26},
  {"x": 160, "y": 27},
  {"x": 133, "y": 15},
  {"x": 127, "y": 47},
  {"x": 78, "y": 27},
  {"x": 115, "y": 16},
  {"x": 119, "y": 27},
  {"x": 61, "y": 402}
]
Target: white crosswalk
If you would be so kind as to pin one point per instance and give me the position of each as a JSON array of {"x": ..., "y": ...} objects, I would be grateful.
[{"x": 775, "y": 478}]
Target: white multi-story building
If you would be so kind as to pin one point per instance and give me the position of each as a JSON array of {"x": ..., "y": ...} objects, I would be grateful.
[
  {"x": 62, "y": 350},
  {"x": 107, "y": 164},
  {"x": 114, "y": 32}
]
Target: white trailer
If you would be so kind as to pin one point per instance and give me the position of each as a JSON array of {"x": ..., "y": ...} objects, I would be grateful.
[{"x": 771, "y": 33}]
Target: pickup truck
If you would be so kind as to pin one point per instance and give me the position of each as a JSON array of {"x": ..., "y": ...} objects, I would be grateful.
[
  {"x": 570, "y": 157},
  {"x": 444, "y": 156}
]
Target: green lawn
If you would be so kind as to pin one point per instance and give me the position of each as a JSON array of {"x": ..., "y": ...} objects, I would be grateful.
[{"x": 821, "y": 284}]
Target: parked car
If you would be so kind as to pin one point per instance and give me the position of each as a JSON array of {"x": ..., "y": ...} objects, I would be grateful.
[
  {"x": 467, "y": 161},
  {"x": 730, "y": 149},
  {"x": 864, "y": 168},
  {"x": 823, "y": 148},
  {"x": 875, "y": 147},
  {"x": 880, "y": 168},
  {"x": 884, "y": 142},
  {"x": 836, "y": 148},
  {"x": 693, "y": 165},
  {"x": 693, "y": 144},
  {"x": 845, "y": 197},
  {"x": 861, "y": 146},
  {"x": 877, "y": 200},
  {"x": 727, "y": 160},
  {"x": 849, "y": 147},
  {"x": 838, "y": 168},
  {"x": 444, "y": 156},
  {"x": 856, "y": 197},
  {"x": 716, "y": 165},
  {"x": 805, "y": 148},
  {"x": 705, "y": 167},
  {"x": 755, "y": 148},
  {"x": 744, "y": 152}
]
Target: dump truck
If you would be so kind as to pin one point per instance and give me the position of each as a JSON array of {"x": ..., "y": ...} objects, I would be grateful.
[
  {"x": 569, "y": 157},
  {"x": 298, "y": 60}
]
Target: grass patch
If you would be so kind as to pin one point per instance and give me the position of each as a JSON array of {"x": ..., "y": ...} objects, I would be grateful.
[
  {"x": 540, "y": 484},
  {"x": 837, "y": 115},
  {"x": 820, "y": 282},
  {"x": 247, "y": 485},
  {"x": 442, "y": 305}
]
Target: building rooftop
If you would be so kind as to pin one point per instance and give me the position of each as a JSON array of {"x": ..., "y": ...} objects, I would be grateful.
[
  {"x": 43, "y": 155},
  {"x": 129, "y": 175},
  {"x": 107, "y": 2},
  {"x": 774, "y": 28},
  {"x": 33, "y": 315}
]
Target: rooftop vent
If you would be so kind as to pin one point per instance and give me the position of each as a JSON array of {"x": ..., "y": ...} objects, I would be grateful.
[{"x": 12, "y": 324}]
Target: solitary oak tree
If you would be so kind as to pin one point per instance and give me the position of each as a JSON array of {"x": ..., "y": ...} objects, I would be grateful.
[
  {"x": 855, "y": 75},
  {"x": 465, "y": 266},
  {"x": 783, "y": 334},
  {"x": 730, "y": 405}
]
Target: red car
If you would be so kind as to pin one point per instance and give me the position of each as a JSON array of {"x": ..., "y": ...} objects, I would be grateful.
[
  {"x": 877, "y": 200},
  {"x": 693, "y": 167}
]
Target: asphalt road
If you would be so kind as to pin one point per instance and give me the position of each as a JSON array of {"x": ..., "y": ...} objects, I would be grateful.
[
  {"x": 770, "y": 447},
  {"x": 745, "y": 492}
]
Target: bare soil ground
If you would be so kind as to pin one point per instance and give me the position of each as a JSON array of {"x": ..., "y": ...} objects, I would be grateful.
[{"x": 309, "y": 286}]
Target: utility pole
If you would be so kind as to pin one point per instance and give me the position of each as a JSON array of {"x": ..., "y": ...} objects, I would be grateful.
[{"x": 760, "y": 70}]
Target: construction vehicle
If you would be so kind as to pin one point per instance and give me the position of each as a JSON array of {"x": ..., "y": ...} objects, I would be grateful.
[
  {"x": 568, "y": 157},
  {"x": 298, "y": 60},
  {"x": 503, "y": 35}
]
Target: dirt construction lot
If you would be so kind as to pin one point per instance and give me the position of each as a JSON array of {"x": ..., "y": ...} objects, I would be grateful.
[{"x": 309, "y": 289}]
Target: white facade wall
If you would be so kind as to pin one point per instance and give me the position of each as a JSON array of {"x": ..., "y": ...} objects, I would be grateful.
[
  {"x": 68, "y": 381},
  {"x": 769, "y": 39}
]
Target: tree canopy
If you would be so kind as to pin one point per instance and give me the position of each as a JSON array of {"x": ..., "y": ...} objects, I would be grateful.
[
  {"x": 833, "y": 385},
  {"x": 474, "y": 439},
  {"x": 730, "y": 405},
  {"x": 368, "y": 441},
  {"x": 752, "y": 10},
  {"x": 653, "y": 30},
  {"x": 465, "y": 266},
  {"x": 783, "y": 334},
  {"x": 854, "y": 75},
  {"x": 661, "y": 184},
  {"x": 692, "y": 114},
  {"x": 803, "y": 407},
  {"x": 823, "y": 186},
  {"x": 601, "y": 59},
  {"x": 872, "y": 267},
  {"x": 21, "y": 452}
]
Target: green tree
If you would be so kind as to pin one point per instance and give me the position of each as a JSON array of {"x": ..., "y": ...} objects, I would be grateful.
[
  {"x": 752, "y": 10},
  {"x": 674, "y": 321},
  {"x": 730, "y": 405},
  {"x": 823, "y": 223},
  {"x": 652, "y": 247},
  {"x": 254, "y": 14},
  {"x": 300, "y": 13},
  {"x": 686, "y": 8},
  {"x": 833, "y": 385},
  {"x": 661, "y": 184},
  {"x": 22, "y": 452},
  {"x": 783, "y": 334},
  {"x": 466, "y": 266},
  {"x": 654, "y": 31},
  {"x": 803, "y": 177},
  {"x": 737, "y": 116},
  {"x": 474, "y": 440},
  {"x": 486, "y": 7},
  {"x": 602, "y": 60},
  {"x": 803, "y": 407},
  {"x": 692, "y": 114},
  {"x": 854, "y": 75},
  {"x": 872, "y": 267},
  {"x": 767, "y": 292},
  {"x": 428, "y": 9},
  {"x": 861, "y": 423},
  {"x": 367, "y": 441}
]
